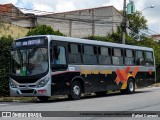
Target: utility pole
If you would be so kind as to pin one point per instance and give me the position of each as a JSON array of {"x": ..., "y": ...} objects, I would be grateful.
[
  {"x": 124, "y": 23},
  {"x": 93, "y": 25}
]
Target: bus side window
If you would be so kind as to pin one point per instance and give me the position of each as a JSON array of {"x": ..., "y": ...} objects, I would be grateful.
[
  {"x": 129, "y": 57},
  {"x": 59, "y": 55},
  {"x": 74, "y": 53},
  {"x": 149, "y": 58},
  {"x": 89, "y": 54},
  {"x": 117, "y": 57},
  {"x": 56, "y": 52},
  {"x": 104, "y": 56},
  {"x": 140, "y": 58}
]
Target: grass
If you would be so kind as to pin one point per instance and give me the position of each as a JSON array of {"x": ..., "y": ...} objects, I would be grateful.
[
  {"x": 16, "y": 99},
  {"x": 156, "y": 85}
]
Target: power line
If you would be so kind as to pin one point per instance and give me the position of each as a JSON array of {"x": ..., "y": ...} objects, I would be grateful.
[
  {"x": 75, "y": 19},
  {"x": 153, "y": 31},
  {"x": 51, "y": 16},
  {"x": 81, "y": 22},
  {"x": 63, "y": 18}
]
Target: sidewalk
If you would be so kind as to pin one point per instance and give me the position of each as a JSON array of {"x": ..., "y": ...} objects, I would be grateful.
[{"x": 155, "y": 85}]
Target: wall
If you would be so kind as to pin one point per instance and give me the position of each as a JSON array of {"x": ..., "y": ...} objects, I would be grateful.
[{"x": 83, "y": 23}]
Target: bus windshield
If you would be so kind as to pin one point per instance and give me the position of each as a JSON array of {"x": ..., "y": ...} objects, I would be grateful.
[{"x": 29, "y": 62}]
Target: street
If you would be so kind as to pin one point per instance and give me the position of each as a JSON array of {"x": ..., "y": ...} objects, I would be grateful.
[{"x": 146, "y": 99}]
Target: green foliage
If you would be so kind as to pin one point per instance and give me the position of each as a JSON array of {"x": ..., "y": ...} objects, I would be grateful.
[
  {"x": 44, "y": 30},
  {"x": 149, "y": 42},
  {"x": 137, "y": 22},
  {"x": 115, "y": 37},
  {"x": 143, "y": 41},
  {"x": 5, "y": 45},
  {"x": 100, "y": 38}
]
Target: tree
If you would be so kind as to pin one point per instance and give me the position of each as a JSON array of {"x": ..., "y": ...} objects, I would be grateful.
[
  {"x": 44, "y": 30},
  {"x": 150, "y": 42},
  {"x": 5, "y": 45},
  {"x": 137, "y": 22},
  {"x": 115, "y": 37}
]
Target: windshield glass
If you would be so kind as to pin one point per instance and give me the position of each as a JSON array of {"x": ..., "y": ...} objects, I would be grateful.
[{"x": 29, "y": 62}]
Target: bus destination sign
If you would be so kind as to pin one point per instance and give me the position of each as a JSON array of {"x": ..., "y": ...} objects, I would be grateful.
[{"x": 29, "y": 42}]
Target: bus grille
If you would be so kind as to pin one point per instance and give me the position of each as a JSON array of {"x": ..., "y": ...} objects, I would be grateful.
[{"x": 27, "y": 91}]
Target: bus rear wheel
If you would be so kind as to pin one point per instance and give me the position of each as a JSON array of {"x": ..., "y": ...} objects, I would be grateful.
[
  {"x": 76, "y": 91},
  {"x": 43, "y": 98},
  {"x": 130, "y": 87}
]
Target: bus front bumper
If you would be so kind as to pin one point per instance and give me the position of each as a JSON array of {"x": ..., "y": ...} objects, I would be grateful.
[{"x": 32, "y": 92}]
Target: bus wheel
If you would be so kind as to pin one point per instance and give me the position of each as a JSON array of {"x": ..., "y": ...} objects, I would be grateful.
[
  {"x": 130, "y": 87},
  {"x": 43, "y": 98},
  {"x": 102, "y": 93},
  {"x": 76, "y": 91}
]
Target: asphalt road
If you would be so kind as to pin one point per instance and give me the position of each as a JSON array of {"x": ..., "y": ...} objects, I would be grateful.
[{"x": 147, "y": 99}]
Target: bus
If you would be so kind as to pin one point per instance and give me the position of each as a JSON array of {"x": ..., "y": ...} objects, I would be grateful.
[{"x": 48, "y": 65}]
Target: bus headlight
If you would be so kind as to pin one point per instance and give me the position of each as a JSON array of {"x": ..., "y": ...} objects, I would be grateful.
[
  {"x": 43, "y": 82},
  {"x": 12, "y": 84}
]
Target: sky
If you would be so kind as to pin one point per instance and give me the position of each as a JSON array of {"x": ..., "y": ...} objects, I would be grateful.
[{"x": 151, "y": 14}]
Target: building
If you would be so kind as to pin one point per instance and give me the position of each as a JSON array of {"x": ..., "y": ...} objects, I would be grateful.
[
  {"x": 156, "y": 37},
  {"x": 98, "y": 21},
  {"x": 11, "y": 14}
]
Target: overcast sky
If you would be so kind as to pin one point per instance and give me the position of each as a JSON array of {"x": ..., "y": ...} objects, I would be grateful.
[{"x": 151, "y": 14}]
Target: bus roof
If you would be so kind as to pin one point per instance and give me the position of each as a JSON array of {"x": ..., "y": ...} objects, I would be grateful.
[{"x": 92, "y": 42}]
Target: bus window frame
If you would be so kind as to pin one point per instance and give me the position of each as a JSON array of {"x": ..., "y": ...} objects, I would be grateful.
[
  {"x": 82, "y": 46},
  {"x": 80, "y": 53},
  {"x": 122, "y": 55},
  {"x": 125, "y": 56},
  {"x": 143, "y": 52},
  {"x": 152, "y": 58},
  {"x": 109, "y": 54},
  {"x": 58, "y": 67}
]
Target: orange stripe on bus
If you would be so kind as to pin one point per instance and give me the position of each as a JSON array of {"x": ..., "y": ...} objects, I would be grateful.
[
  {"x": 118, "y": 80},
  {"x": 123, "y": 73},
  {"x": 119, "y": 74},
  {"x": 135, "y": 71},
  {"x": 128, "y": 69}
]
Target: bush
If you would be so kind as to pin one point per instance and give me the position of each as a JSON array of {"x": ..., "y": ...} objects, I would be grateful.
[
  {"x": 5, "y": 45},
  {"x": 44, "y": 30}
]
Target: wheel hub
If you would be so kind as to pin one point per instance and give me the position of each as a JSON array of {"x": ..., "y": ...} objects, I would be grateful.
[
  {"x": 76, "y": 90},
  {"x": 131, "y": 86}
]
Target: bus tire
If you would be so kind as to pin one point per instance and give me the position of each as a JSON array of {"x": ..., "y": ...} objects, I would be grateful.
[
  {"x": 76, "y": 90},
  {"x": 102, "y": 93},
  {"x": 43, "y": 98},
  {"x": 130, "y": 87}
]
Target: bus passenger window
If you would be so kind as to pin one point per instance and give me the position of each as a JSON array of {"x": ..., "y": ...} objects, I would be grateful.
[
  {"x": 104, "y": 56},
  {"x": 74, "y": 53},
  {"x": 117, "y": 56},
  {"x": 129, "y": 57},
  {"x": 89, "y": 55},
  {"x": 59, "y": 56},
  {"x": 149, "y": 58},
  {"x": 140, "y": 58}
]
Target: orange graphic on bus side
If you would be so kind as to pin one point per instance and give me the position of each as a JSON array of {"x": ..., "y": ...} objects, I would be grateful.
[{"x": 122, "y": 75}]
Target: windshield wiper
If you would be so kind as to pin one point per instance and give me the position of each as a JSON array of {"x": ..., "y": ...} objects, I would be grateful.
[{"x": 30, "y": 54}]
